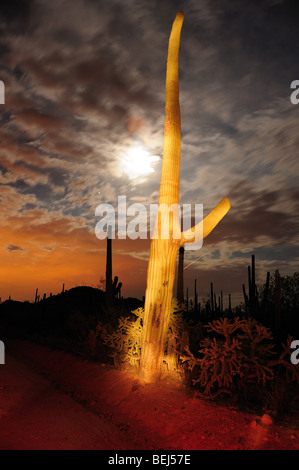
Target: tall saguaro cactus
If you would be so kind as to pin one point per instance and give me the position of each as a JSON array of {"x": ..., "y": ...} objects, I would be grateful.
[
  {"x": 109, "y": 268},
  {"x": 163, "y": 251},
  {"x": 180, "y": 282}
]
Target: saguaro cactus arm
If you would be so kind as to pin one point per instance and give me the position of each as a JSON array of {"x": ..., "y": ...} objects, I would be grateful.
[{"x": 206, "y": 225}]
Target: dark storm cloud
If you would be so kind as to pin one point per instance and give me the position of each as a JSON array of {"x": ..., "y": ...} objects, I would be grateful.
[
  {"x": 28, "y": 206},
  {"x": 20, "y": 185},
  {"x": 32, "y": 117},
  {"x": 16, "y": 14},
  {"x": 242, "y": 64},
  {"x": 57, "y": 176},
  {"x": 5, "y": 117},
  {"x": 267, "y": 33},
  {"x": 280, "y": 253},
  {"x": 4, "y": 49},
  {"x": 65, "y": 37},
  {"x": 259, "y": 222},
  {"x": 256, "y": 215},
  {"x": 14, "y": 248}
]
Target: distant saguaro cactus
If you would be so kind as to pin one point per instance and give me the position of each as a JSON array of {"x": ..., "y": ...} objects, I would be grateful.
[
  {"x": 195, "y": 297},
  {"x": 229, "y": 303},
  {"x": 251, "y": 300},
  {"x": 109, "y": 295},
  {"x": 266, "y": 292},
  {"x": 116, "y": 288},
  {"x": 277, "y": 303},
  {"x": 213, "y": 304}
]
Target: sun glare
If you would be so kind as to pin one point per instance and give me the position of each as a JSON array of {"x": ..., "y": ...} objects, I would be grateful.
[{"x": 137, "y": 162}]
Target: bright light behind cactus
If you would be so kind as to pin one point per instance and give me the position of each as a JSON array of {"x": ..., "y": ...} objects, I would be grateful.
[{"x": 137, "y": 162}]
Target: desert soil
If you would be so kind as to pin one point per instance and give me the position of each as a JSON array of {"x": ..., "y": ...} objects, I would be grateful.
[{"x": 52, "y": 400}]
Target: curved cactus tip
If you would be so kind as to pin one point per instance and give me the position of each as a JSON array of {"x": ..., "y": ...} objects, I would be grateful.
[
  {"x": 179, "y": 18},
  {"x": 226, "y": 203}
]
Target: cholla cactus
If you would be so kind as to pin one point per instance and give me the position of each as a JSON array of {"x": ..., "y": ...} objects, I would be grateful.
[
  {"x": 125, "y": 342},
  {"x": 238, "y": 355}
]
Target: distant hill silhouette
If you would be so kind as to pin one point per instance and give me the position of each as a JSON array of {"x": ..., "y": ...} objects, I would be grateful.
[{"x": 69, "y": 314}]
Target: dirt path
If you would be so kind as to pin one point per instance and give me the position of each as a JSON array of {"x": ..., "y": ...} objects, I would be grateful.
[
  {"x": 35, "y": 415},
  {"x": 58, "y": 401}
]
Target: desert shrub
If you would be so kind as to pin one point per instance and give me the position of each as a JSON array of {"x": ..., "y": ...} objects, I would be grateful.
[
  {"x": 237, "y": 352},
  {"x": 125, "y": 342},
  {"x": 196, "y": 333},
  {"x": 78, "y": 325}
]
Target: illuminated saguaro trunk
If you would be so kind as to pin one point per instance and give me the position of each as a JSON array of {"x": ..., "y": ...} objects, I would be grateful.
[
  {"x": 163, "y": 252},
  {"x": 180, "y": 282}
]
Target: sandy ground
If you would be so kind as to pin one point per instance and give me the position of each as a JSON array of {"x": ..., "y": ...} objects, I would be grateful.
[
  {"x": 35, "y": 415},
  {"x": 52, "y": 400}
]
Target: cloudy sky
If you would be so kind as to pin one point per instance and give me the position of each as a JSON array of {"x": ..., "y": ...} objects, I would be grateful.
[{"x": 84, "y": 88}]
